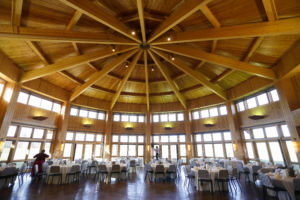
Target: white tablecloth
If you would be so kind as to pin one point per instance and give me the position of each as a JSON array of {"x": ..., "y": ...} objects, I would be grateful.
[{"x": 288, "y": 185}]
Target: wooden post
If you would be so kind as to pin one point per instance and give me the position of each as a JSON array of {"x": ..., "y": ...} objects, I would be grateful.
[
  {"x": 148, "y": 148},
  {"x": 108, "y": 134},
  {"x": 188, "y": 134}
]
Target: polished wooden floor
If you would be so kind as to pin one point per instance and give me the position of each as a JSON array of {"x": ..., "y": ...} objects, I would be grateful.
[{"x": 133, "y": 188}]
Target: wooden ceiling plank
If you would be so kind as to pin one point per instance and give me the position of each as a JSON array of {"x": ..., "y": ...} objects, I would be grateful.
[
  {"x": 269, "y": 9},
  {"x": 125, "y": 78},
  {"x": 147, "y": 80},
  {"x": 74, "y": 20},
  {"x": 217, "y": 59},
  {"x": 278, "y": 27},
  {"x": 193, "y": 73},
  {"x": 71, "y": 62},
  {"x": 101, "y": 15},
  {"x": 164, "y": 70},
  {"x": 35, "y": 34},
  {"x": 179, "y": 14},
  {"x": 36, "y": 49},
  {"x": 100, "y": 74},
  {"x": 16, "y": 14},
  {"x": 141, "y": 17}
]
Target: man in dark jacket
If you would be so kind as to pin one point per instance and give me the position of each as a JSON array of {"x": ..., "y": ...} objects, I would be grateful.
[{"x": 40, "y": 159}]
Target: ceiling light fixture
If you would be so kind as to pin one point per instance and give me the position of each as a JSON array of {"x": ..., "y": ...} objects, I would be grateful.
[
  {"x": 126, "y": 65},
  {"x": 152, "y": 69},
  {"x": 113, "y": 49},
  {"x": 169, "y": 38},
  {"x": 132, "y": 32}
]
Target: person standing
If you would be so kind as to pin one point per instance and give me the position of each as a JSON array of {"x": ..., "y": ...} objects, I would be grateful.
[
  {"x": 40, "y": 159},
  {"x": 156, "y": 152}
]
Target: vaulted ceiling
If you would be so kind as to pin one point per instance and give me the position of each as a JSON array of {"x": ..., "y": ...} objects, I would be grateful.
[{"x": 147, "y": 52}]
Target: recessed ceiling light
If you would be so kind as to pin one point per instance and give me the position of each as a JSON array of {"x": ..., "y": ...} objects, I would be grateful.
[
  {"x": 169, "y": 38},
  {"x": 126, "y": 65},
  {"x": 152, "y": 69},
  {"x": 132, "y": 32},
  {"x": 113, "y": 49},
  {"x": 172, "y": 58}
]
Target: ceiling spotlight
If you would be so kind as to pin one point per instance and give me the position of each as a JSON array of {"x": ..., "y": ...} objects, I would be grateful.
[
  {"x": 132, "y": 32},
  {"x": 169, "y": 38},
  {"x": 152, "y": 69},
  {"x": 126, "y": 65},
  {"x": 113, "y": 49},
  {"x": 172, "y": 58}
]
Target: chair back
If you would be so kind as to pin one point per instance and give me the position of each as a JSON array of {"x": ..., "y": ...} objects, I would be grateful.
[
  {"x": 102, "y": 168},
  {"x": 50, "y": 162},
  {"x": 266, "y": 181},
  {"x": 94, "y": 163},
  {"x": 132, "y": 163},
  {"x": 23, "y": 167},
  {"x": 54, "y": 169},
  {"x": 115, "y": 168},
  {"x": 223, "y": 174},
  {"x": 240, "y": 167},
  {"x": 255, "y": 168},
  {"x": 75, "y": 168},
  {"x": 222, "y": 164},
  {"x": 159, "y": 168},
  {"x": 84, "y": 165},
  {"x": 203, "y": 174},
  {"x": 296, "y": 184},
  {"x": 172, "y": 168},
  {"x": 123, "y": 161},
  {"x": 8, "y": 171}
]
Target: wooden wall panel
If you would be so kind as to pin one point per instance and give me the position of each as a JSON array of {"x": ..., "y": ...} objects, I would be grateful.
[
  {"x": 23, "y": 114},
  {"x": 77, "y": 124},
  {"x": 130, "y": 107},
  {"x": 137, "y": 128},
  {"x": 205, "y": 101},
  {"x": 220, "y": 123},
  {"x": 8, "y": 70},
  {"x": 166, "y": 107},
  {"x": 159, "y": 128},
  {"x": 91, "y": 102}
]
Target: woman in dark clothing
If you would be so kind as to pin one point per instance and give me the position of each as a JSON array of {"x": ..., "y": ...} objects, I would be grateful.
[{"x": 40, "y": 159}]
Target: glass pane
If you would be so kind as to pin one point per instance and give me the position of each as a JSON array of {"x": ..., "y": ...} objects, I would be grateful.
[
  {"x": 182, "y": 150},
  {"x": 23, "y": 97},
  {"x": 116, "y": 117},
  {"x": 198, "y": 138},
  {"x": 47, "y": 147},
  {"x": 124, "y": 118},
  {"x": 92, "y": 114},
  {"x": 163, "y": 117},
  {"x": 98, "y": 150},
  {"x": 258, "y": 133},
  {"x": 217, "y": 136},
  {"x": 219, "y": 150},
  {"x": 292, "y": 151},
  {"x": 271, "y": 132},
  {"x": 90, "y": 137},
  {"x": 101, "y": 116},
  {"x": 204, "y": 113},
  {"x": 49, "y": 135},
  {"x": 56, "y": 107},
  {"x": 274, "y": 95},
  {"x": 25, "y": 132},
  {"x": 88, "y": 151},
  {"x": 132, "y": 138},
  {"x": 79, "y": 137},
  {"x": 241, "y": 106},
  {"x": 285, "y": 131},
  {"x": 263, "y": 151},
  {"x": 5, "y": 151},
  {"x": 165, "y": 151},
  {"x": 140, "y": 139},
  {"x": 69, "y": 136},
  {"x": 34, "y": 149},
  {"x": 276, "y": 152},
  {"x": 173, "y": 138},
  {"x": 181, "y": 138},
  {"x": 123, "y": 138},
  {"x": 172, "y": 117},
  {"x": 7, "y": 94},
  {"x": 251, "y": 103},
  {"x": 11, "y": 131},
  {"x": 114, "y": 150},
  {"x": 123, "y": 150},
  {"x": 155, "y": 118},
  {"x": 164, "y": 138},
  {"x": 223, "y": 110},
  {"x": 83, "y": 113},
  {"x": 45, "y": 104},
  {"x": 74, "y": 112},
  {"x": 247, "y": 135},
  {"x": 213, "y": 112},
  {"x": 141, "y": 118},
  {"x": 21, "y": 151},
  {"x": 98, "y": 138},
  {"x": 67, "y": 150},
  {"x": 78, "y": 151},
  {"x": 180, "y": 117},
  {"x": 199, "y": 150},
  {"x": 38, "y": 133},
  {"x": 250, "y": 150},
  {"x": 131, "y": 150},
  {"x": 229, "y": 150},
  {"x": 140, "y": 150},
  {"x": 1, "y": 88},
  {"x": 133, "y": 118},
  {"x": 208, "y": 150},
  {"x": 34, "y": 101},
  {"x": 196, "y": 115},
  {"x": 156, "y": 138},
  {"x": 207, "y": 137},
  {"x": 227, "y": 135},
  {"x": 115, "y": 138},
  {"x": 262, "y": 99},
  {"x": 173, "y": 149}
]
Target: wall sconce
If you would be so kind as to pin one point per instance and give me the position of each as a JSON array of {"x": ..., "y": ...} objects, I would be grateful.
[
  {"x": 128, "y": 126},
  {"x": 61, "y": 147},
  {"x": 207, "y": 124},
  {"x": 296, "y": 145},
  {"x": 189, "y": 147},
  {"x": 148, "y": 147},
  {"x": 256, "y": 117},
  {"x": 107, "y": 149},
  {"x": 235, "y": 147},
  {"x": 87, "y": 123},
  {"x": 168, "y": 126},
  {"x": 39, "y": 118}
]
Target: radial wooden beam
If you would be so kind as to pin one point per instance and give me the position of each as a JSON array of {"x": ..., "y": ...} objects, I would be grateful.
[
  {"x": 76, "y": 16},
  {"x": 71, "y": 62},
  {"x": 16, "y": 14},
  {"x": 141, "y": 17},
  {"x": 36, "y": 49},
  {"x": 101, "y": 15},
  {"x": 278, "y": 27},
  {"x": 193, "y": 73},
  {"x": 270, "y": 9},
  {"x": 125, "y": 78},
  {"x": 100, "y": 74},
  {"x": 147, "y": 80},
  {"x": 164, "y": 70},
  {"x": 36, "y": 34},
  {"x": 217, "y": 59},
  {"x": 180, "y": 14}
]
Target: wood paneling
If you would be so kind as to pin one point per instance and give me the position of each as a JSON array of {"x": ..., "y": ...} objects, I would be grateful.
[
  {"x": 137, "y": 128},
  {"x": 77, "y": 124},
  {"x": 159, "y": 128},
  {"x": 220, "y": 123},
  {"x": 8, "y": 70}
]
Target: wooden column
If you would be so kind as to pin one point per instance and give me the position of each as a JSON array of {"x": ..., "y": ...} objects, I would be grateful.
[
  {"x": 108, "y": 134},
  {"x": 62, "y": 127},
  {"x": 148, "y": 148},
  {"x": 234, "y": 127},
  {"x": 188, "y": 134}
]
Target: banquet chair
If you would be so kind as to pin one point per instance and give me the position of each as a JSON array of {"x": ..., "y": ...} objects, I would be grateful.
[
  {"x": 233, "y": 177},
  {"x": 132, "y": 165},
  {"x": 148, "y": 172},
  {"x": 115, "y": 170},
  {"x": 94, "y": 166},
  {"x": 189, "y": 175},
  {"x": 172, "y": 171},
  {"x": 269, "y": 185},
  {"x": 74, "y": 172},
  {"x": 159, "y": 172},
  {"x": 255, "y": 174},
  {"x": 179, "y": 164},
  {"x": 203, "y": 176},
  {"x": 222, "y": 164},
  {"x": 243, "y": 170},
  {"x": 9, "y": 174},
  {"x": 296, "y": 182},
  {"x": 223, "y": 177},
  {"x": 22, "y": 172},
  {"x": 102, "y": 171},
  {"x": 40, "y": 175},
  {"x": 84, "y": 168},
  {"x": 54, "y": 172}
]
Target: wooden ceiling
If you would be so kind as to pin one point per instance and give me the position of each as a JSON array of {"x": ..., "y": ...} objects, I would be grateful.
[{"x": 147, "y": 52}]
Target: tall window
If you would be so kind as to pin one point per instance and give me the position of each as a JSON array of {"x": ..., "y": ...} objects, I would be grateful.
[
  {"x": 168, "y": 117},
  {"x": 87, "y": 113},
  {"x": 125, "y": 117},
  {"x": 129, "y": 145},
  {"x": 209, "y": 112}
]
